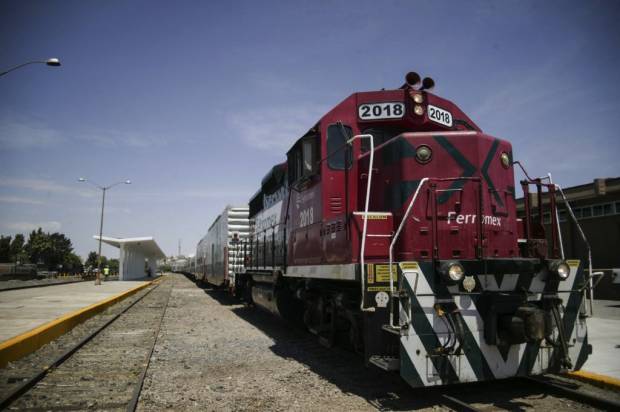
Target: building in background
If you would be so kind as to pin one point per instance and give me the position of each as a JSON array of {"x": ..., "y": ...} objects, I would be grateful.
[{"x": 596, "y": 206}]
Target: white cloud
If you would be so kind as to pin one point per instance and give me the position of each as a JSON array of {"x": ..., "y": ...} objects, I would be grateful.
[
  {"x": 536, "y": 90},
  {"x": 213, "y": 194},
  {"x": 22, "y": 227},
  {"x": 181, "y": 193},
  {"x": 19, "y": 136},
  {"x": 24, "y": 133},
  {"x": 115, "y": 138},
  {"x": 20, "y": 200},
  {"x": 275, "y": 128},
  {"x": 41, "y": 185}
]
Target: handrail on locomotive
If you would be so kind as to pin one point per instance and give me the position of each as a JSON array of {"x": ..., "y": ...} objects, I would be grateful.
[
  {"x": 365, "y": 228},
  {"x": 555, "y": 224},
  {"x": 434, "y": 216}
]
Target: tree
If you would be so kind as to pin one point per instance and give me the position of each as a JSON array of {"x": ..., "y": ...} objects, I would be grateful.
[
  {"x": 113, "y": 265},
  {"x": 73, "y": 263},
  {"x": 60, "y": 251},
  {"x": 50, "y": 250},
  {"x": 18, "y": 254},
  {"x": 92, "y": 260},
  {"x": 38, "y": 247},
  {"x": 5, "y": 249}
]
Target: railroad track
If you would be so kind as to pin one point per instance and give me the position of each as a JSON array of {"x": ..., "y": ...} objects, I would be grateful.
[
  {"x": 564, "y": 389},
  {"x": 106, "y": 368},
  {"x": 571, "y": 390}
]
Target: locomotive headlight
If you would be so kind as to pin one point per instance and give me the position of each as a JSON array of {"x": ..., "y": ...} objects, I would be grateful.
[
  {"x": 423, "y": 154},
  {"x": 452, "y": 271},
  {"x": 505, "y": 159},
  {"x": 419, "y": 110},
  {"x": 418, "y": 98},
  {"x": 456, "y": 272},
  {"x": 560, "y": 268}
]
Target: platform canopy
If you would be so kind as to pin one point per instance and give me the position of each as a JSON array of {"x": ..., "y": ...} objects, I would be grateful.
[{"x": 138, "y": 257}]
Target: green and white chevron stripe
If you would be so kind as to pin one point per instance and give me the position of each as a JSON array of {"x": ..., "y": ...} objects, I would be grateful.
[{"x": 420, "y": 366}]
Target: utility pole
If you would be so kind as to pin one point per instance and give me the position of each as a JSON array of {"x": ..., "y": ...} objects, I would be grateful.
[
  {"x": 103, "y": 190},
  {"x": 98, "y": 280}
]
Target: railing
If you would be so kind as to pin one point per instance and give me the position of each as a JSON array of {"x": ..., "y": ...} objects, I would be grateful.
[
  {"x": 591, "y": 275},
  {"x": 257, "y": 253},
  {"x": 555, "y": 224},
  {"x": 528, "y": 221},
  {"x": 435, "y": 229},
  {"x": 365, "y": 226}
]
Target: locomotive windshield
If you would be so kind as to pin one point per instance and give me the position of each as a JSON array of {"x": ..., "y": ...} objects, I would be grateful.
[{"x": 381, "y": 135}]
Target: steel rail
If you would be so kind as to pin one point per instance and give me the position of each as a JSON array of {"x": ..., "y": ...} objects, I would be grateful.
[
  {"x": 133, "y": 404},
  {"x": 457, "y": 404},
  {"x": 605, "y": 404},
  {"x": 23, "y": 388}
]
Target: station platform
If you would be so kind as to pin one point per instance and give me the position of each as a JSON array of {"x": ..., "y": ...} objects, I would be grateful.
[
  {"x": 604, "y": 336},
  {"x": 26, "y": 309}
]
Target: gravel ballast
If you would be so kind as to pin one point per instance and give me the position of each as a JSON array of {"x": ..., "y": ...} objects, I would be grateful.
[{"x": 214, "y": 353}]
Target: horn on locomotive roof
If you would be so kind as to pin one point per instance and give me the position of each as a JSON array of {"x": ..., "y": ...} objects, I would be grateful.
[
  {"x": 412, "y": 79},
  {"x": 427, "y": 84}
]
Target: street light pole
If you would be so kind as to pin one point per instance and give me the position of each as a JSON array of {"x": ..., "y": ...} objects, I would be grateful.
[
  {"x": 98, "y": 281},
  {"x": 103, "y": 190},
  {"x": 53, "y": 62}
]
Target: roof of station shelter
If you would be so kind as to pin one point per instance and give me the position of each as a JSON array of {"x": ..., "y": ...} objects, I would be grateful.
[{"x": 147, "y": 245}]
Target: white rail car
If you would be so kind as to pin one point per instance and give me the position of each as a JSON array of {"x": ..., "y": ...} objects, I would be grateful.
[{"x": 218, "y": 254}]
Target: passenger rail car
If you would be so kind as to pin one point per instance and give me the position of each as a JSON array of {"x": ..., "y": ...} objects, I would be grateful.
[{"x": 391, "y": 228}]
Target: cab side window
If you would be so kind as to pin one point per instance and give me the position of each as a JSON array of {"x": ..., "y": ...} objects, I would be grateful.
[
  {"x": 303, "y": 159},
  {"x": 339, "y": 157},
  {"x": 307, "y": 156}
]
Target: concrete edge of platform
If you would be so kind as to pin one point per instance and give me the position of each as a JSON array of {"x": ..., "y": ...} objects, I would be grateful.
[
  {"x": 28, "y": 342},
  {"x": 595, "y": 378}
]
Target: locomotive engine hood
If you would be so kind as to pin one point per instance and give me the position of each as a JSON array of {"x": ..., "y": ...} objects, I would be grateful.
[{"x": 468, "y": 204}]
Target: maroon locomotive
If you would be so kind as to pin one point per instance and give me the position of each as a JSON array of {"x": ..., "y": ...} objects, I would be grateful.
[{"x": 392, "y": 228}]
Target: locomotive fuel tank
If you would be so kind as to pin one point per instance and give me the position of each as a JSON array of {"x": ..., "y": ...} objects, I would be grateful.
[{"x": 264, "y": 296}]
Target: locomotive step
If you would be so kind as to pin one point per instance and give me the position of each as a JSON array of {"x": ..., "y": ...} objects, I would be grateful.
[
  {"x": 323, "y": 340},
  {"x": 391, "y": 329},
  {"x": 326, "y": 342},
  {"x": 387, "y": 363}
]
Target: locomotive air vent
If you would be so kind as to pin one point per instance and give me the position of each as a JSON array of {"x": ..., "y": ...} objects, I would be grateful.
[{"x": 335, "y": 204}]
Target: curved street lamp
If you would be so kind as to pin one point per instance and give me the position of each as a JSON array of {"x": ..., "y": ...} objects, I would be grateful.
[
  {"x": 103, "y": 189},
  {"x": 54, "y": 62}
]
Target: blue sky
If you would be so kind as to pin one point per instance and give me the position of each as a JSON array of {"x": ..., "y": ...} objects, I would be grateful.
[{"x": 194, "y": 101}]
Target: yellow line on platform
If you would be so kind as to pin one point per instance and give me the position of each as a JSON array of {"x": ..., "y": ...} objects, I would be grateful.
[
  {"x": 28, "y": 342},
  {"x": 595, "y": 378}
]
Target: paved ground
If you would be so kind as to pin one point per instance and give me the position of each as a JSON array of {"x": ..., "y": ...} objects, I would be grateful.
[
  {"x": 23, "y": 283},
  {"x": 25, "y": 309},
  {"x": 604, "y": 335},
  {"x": 27, "y": 283}
]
